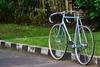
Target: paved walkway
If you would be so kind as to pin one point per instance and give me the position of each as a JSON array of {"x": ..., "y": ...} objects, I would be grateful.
[{"x": 9, "y": 58}]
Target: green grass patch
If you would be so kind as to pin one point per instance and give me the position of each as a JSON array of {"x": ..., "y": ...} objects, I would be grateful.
[
  {"x": 34, "y": 35},
  {"x": 37, "y": 41}
]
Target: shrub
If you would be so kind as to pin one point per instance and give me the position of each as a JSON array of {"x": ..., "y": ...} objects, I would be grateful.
[
  {"x": 93, "y": 11},
  {"x": 40, "y": 18}
]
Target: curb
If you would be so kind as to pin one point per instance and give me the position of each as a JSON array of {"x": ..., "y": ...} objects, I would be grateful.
[{"x": 43, "y": 51}]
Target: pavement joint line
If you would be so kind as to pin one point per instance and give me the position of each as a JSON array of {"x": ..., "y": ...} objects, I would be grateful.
[{"x": 42, "y": 50}]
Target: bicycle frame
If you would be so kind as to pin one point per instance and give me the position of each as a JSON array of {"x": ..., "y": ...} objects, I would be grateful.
[
  {"x": 80, "y": 44},
  {"x": 78, "y": 23}
]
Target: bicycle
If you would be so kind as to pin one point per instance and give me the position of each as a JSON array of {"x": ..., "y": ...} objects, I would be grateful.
[{"x": 60, "y": 39}]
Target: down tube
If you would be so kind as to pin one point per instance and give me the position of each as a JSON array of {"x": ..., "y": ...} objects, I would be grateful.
[
  {"x": 58, "y": 32},
  {"x": 67, "y": 32}
]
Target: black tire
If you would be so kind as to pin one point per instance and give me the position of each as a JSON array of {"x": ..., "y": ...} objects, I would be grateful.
[
  {"x": 57, "y": 42},
  {"x": 85, "y": 53}
]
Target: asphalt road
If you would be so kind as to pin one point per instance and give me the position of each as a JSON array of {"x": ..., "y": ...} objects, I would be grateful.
[{"x": 11, "y": 58}]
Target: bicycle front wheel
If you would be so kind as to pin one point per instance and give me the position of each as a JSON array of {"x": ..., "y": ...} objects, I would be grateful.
[
  {"x": 57, "y": 42},
  {"x": 85, "y": 42}
]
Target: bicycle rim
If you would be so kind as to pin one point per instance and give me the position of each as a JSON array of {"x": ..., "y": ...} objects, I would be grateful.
[
  {"x": 57, "y": 42},
  {"x": 84, "y": 39}
]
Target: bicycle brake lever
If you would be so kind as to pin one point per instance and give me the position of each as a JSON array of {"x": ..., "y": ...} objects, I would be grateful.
[{"x": 67, "y": 21}]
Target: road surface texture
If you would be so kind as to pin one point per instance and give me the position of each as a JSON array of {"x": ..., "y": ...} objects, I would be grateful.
[{"x": 12, "y": 58}]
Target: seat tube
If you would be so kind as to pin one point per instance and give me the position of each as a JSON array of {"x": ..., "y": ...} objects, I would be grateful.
[
  {"x": 79, "y": 22},
  {"x": 77, "y": 30}
]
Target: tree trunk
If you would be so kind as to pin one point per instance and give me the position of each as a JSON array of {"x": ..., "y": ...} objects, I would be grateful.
[
  {"x": 43, "y": 5},
  {"x": 66, "y": 4}
]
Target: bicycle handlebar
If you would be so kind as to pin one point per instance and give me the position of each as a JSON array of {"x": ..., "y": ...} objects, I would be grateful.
[
  {"x": 62, "y": 13},
  {"x": 55, "y": 14}
]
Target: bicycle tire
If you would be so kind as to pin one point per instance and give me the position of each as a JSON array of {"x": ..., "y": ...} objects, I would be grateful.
[
  {"x": 85, "y": 54},
  {"x": 57, "y": 43}
]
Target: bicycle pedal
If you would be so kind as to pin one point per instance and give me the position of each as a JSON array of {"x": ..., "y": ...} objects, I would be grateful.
[
  {"x": 71, "y": 44},
  {"x": 84, "y": 44}
]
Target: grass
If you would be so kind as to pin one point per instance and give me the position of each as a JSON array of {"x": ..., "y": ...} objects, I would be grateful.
[
  {"x": 34, "y": 35},
  {"x": 97, "y": 43}
]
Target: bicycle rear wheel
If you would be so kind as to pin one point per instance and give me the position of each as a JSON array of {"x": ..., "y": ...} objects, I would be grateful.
[
  {"x": 85, "y": 40},
  {"x": 57, "y": 42}
]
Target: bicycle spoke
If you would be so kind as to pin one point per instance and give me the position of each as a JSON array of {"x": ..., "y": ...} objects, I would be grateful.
[{"x": 57, "y": 42}]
